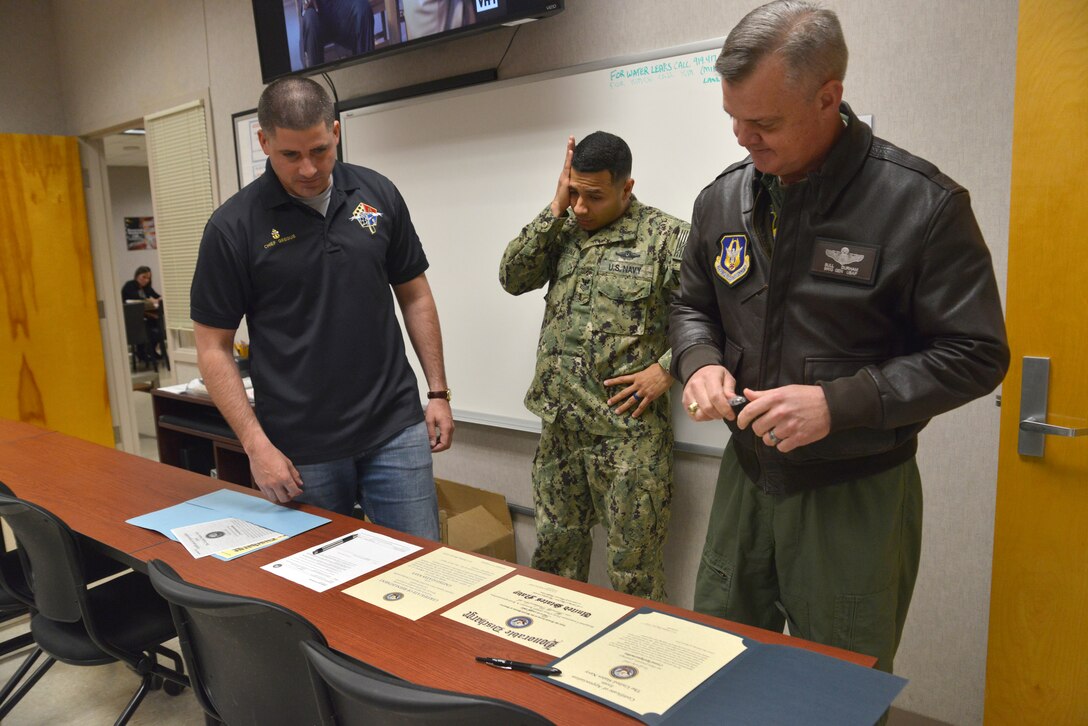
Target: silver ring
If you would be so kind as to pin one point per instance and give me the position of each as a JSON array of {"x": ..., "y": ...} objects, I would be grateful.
[
  {"x": 774, "y": 439},
  {"x": 636, "y": 396}
]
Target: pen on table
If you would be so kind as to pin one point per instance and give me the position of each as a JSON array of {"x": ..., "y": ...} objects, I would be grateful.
[
  {"x": 341, "y": 541},
  {"x": 513, "y": 665}
]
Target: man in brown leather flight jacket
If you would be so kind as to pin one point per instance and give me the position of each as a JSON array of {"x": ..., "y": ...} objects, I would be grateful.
[{"x": 842, "y": 285}]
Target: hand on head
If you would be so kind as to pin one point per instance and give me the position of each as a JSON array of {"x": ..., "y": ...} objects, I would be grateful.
[{"x": 562, "y": 189}]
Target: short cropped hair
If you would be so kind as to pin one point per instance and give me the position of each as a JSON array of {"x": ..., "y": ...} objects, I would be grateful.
[
  {"x": 602, "y": 151},
  {"x": 294, "y": 103},
  {"x": 807, "y": 37}
]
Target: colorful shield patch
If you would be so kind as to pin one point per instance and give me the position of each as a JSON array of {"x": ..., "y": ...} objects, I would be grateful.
[
  {"x": 367, "y": 216},
  {"x": 733, "y": 263}
]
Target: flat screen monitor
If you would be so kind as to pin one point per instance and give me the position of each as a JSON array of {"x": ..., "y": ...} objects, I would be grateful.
[{"x": 310, "y": 36}]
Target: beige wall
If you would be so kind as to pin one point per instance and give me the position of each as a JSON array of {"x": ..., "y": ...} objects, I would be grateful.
[
  {"x": 30, "y": 97},
  {"x": 937, "y": 76}
]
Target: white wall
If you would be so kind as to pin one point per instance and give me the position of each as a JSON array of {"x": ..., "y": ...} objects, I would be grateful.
[
  {"x": 936, "y": 74},
  {"x": 130, "y": 196}
]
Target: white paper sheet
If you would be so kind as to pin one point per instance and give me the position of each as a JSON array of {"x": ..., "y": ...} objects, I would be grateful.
[{"x": 341, "y": 559}]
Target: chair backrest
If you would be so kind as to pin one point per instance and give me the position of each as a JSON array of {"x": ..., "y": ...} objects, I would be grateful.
[
  {"x": 135, "y": 330},
  {"x": 52, "y": 558},
  {"x": 351, "y": 693},
  {"x": 15, "y": 595},
  {"x": 242, "y": 653}
]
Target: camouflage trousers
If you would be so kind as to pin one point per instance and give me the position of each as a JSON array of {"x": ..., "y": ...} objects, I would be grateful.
[{"x": 625, "y": 484}]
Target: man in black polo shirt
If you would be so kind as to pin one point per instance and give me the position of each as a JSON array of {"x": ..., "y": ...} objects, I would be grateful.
[{"x": 308, "y": 254}]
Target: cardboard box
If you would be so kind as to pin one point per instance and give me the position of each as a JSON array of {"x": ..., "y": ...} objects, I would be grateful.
[{"x": 475, "y": 520}]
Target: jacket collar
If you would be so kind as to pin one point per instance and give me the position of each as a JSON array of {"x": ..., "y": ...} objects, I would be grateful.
[
  {"x": 624, "y": 227},
  {"x": 843, "y": 162}
]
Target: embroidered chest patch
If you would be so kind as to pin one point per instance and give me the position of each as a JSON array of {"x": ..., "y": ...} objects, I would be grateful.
[
  {"x": 846, "y": 261},
  {"x": 367, "y": 217},
  {"x": 733, "y": 262}
]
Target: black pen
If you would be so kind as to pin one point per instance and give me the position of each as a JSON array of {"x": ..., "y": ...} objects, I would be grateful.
[
  {"x": 329, "y": 546},
  {"x": 513, "y": 665}
]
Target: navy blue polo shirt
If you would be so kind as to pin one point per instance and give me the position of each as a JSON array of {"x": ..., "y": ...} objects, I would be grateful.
[{"x": 330, "y": 376}]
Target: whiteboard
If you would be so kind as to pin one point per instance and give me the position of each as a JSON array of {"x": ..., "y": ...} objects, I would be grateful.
[{"x": 476, "y": 165}]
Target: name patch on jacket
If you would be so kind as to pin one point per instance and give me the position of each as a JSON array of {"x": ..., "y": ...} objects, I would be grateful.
[
  {"x": 846, "y": 261},
  {"x": 733, "y": 262},
  {"x": 626, "y": 262}
]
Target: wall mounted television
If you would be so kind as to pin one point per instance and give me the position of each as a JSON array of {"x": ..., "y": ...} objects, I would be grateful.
[{"x": 310, "y": 36}]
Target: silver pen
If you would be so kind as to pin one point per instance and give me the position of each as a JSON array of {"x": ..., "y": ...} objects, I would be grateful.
[{"x": 330, "y": 545}]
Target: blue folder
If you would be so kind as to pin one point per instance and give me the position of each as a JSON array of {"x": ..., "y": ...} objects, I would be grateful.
[
  {"x": 228, "y": 503},
  {"x": 774, "y": 684}
]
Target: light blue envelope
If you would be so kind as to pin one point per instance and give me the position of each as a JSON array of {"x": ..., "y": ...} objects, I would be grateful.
[{"x": 228, "y": 503}]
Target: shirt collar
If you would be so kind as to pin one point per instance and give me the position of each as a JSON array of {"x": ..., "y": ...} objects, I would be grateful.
[
  {"x": 273, "y": 194},
  {"x": 622, "y": 228}
]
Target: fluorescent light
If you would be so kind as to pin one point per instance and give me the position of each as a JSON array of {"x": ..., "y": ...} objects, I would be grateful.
[{"x": 134, "y": 132}]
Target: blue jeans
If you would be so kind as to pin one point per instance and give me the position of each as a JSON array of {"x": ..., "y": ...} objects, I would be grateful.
[{"x": 394, "y": 484}]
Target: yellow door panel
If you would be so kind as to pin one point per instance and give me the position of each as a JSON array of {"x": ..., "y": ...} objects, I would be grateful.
[
  {"x": 52, "y": 372},
  {"x": 1037, "y": 669}
]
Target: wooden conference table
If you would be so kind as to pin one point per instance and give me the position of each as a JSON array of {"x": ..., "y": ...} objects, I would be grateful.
[{"x": 95, "y": 489}]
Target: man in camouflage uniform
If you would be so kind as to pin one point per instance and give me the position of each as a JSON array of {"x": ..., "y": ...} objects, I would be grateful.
[{"x": 611, "y": 265}]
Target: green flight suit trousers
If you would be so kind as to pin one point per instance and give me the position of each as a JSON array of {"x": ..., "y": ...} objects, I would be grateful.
[{"x": 838, "y": 562}]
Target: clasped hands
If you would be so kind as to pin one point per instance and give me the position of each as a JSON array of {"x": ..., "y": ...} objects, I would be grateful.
[{"x": 785, "y": 418}]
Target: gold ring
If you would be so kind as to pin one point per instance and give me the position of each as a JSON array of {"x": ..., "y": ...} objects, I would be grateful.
[{"x": 693, "y": 408}]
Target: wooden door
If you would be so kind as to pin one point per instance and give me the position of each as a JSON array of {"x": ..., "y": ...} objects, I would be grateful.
[
  {"x": 52, "y": 372},
  {"x": 1037, "y": 670}
]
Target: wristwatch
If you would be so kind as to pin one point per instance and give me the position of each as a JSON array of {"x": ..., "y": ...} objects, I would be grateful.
[{"x": 444, "y": 393}]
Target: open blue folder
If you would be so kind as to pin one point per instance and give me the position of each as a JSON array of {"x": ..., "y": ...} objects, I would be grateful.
[
  {"x": 774, "y": 684},
  {"x": 228, "y": 503}
]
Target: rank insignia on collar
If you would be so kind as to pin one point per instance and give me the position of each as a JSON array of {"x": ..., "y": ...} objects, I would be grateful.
[
  {"x": 733, "y": 263},
  {"x": 367, "y": 216}
]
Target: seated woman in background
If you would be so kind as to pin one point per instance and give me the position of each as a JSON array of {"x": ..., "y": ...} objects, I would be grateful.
[{"x": 139, "y": 288}]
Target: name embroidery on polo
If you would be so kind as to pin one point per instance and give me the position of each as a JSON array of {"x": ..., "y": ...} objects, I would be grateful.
[
  {"x": 846, "y": 261},
  {"x": 733, "y": 262},
  {"x": 278, "y": 239},
  {"x": 367, "y": 217}
]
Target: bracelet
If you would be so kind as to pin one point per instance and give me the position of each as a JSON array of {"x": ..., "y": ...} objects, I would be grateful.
[{"x": 444, "y": 393}]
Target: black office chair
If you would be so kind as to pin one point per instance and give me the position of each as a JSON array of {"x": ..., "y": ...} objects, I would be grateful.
[
  {"x": 243, "y": 654},
  {"x": 11, "y": 607},
  {"x": 139, "y": 342},
  {"x": 122, "y": 619},
  {"x": 13, "y": 598},
  {"x": 16, "y": 600},
  {"x": 351, "y": 693}
]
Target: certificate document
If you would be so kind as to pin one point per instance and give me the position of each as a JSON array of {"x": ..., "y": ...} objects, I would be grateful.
[
  {"x": 223, "y": 535},
  {"x": 548, "y": 618},
  {"x": 428, "y": 583},
  {"x": 335, "y": 562},
  {"x": 648, "y": 663}
]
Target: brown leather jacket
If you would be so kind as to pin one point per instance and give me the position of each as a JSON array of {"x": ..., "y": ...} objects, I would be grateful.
[{"x": 880, "y": 290}]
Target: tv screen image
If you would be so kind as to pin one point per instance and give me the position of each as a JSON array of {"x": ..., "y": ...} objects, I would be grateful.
[{"x": 309, "y": 36}]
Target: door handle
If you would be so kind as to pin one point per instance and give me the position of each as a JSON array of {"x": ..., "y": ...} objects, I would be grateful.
[
  {"x": 1030, "y": 424},
  {"x": 1033, "y": 409}
]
